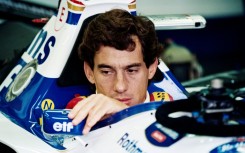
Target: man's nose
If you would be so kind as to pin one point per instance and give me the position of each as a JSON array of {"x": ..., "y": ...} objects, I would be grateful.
[{"x": 120, "y": 83}]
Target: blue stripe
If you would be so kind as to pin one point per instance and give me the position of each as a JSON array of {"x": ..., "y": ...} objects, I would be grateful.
[
  {"x": 134, "y": 13},
  {"x": 127, "y": 113},
  {"x": 73, "y": 18}
]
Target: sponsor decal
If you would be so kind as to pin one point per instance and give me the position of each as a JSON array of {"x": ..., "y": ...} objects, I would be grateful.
[
  {"x": 235, "y": 146},
  {"x": 34, "y": 52},
  {"x": 57, "y": 122},
  {"x": 21, "y": 81},
  {"x": 132, "y": 7},
  {"x": 158, "y": 136},
  {"x": 64, "y": 126},
  {"x": 75, "y": 9},
  {"x": 129, "y": 144},
  {"x": 161, "y": 96},
  {"x": 41, "y": 41},
  {"x": 161, "y": 136},
  {"x": 61, "y": 16},
  {"x": 47, "y": 104},
  {"x": 172, "y": 134}
]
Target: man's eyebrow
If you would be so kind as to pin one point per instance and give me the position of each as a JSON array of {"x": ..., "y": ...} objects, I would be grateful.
[
  {"x": 104, "y": 66},
  {"x": 133, "y": 65},
  {"x": 128, "y": 66}
]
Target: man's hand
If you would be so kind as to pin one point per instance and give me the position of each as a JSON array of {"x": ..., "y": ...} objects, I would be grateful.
[{"x": 94, "y": 107}]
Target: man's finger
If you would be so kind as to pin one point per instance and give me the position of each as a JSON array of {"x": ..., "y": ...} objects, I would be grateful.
[{"x": 81, "y": 110}]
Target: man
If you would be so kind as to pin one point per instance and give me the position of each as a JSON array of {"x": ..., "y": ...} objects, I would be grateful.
[{"x": 120, "y": 53}]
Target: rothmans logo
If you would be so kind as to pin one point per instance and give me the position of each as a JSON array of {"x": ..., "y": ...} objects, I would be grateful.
[{"x": 129, "y": 145}]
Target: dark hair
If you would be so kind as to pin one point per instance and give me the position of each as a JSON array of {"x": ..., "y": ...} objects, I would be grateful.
[{"x": 115, "y": 28}]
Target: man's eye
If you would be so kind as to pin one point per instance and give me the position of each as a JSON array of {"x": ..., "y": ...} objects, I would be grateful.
[
  {"x": 132, "y": 70},
  {"x": 106, "y": 72}
]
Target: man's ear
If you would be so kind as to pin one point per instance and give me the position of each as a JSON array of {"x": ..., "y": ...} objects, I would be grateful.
[
  {"x": 88, "y": 72},
  {"x": 152, "y": 69}
]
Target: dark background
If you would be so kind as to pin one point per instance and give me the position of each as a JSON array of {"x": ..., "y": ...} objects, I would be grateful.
[{"x": 220, "y": 46}]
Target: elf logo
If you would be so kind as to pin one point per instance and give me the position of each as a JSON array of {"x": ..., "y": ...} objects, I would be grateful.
[{"x": 63, "y": 127}]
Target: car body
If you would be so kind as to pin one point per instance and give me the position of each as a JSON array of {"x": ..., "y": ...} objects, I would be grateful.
[{"x": 48, "y": 75}]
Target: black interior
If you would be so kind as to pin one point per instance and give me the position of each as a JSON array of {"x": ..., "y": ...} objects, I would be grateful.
[
  {"x": 181, "y": 70},
  {"x": 73, "y": 73},
  {"x": 212, "y": 124}
]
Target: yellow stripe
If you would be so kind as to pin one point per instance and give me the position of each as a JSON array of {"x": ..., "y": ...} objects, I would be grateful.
[
  {"x": 41, "y": 121},
  {"x": 74, "y": 7},
  {"x": 132, "y": 6}
]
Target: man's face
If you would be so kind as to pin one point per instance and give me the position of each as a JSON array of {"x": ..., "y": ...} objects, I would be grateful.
[{"x": 121, "y": 75}]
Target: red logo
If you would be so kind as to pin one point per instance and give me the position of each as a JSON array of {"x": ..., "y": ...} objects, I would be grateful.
[
  {"x": 158, "y": 136},
  {"x": 61, "y": 16}
]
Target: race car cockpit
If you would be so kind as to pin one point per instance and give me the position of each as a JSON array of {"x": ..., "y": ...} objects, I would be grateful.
[{"x": 49, "y": 74}]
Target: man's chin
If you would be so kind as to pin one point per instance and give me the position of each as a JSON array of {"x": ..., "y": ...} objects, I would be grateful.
[{"x": 126, "y": 102}]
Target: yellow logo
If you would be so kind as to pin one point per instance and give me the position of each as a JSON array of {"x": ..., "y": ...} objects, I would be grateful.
[
  {"x": 162, "y": 96},
  {"x": 47, "y": 104}
]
